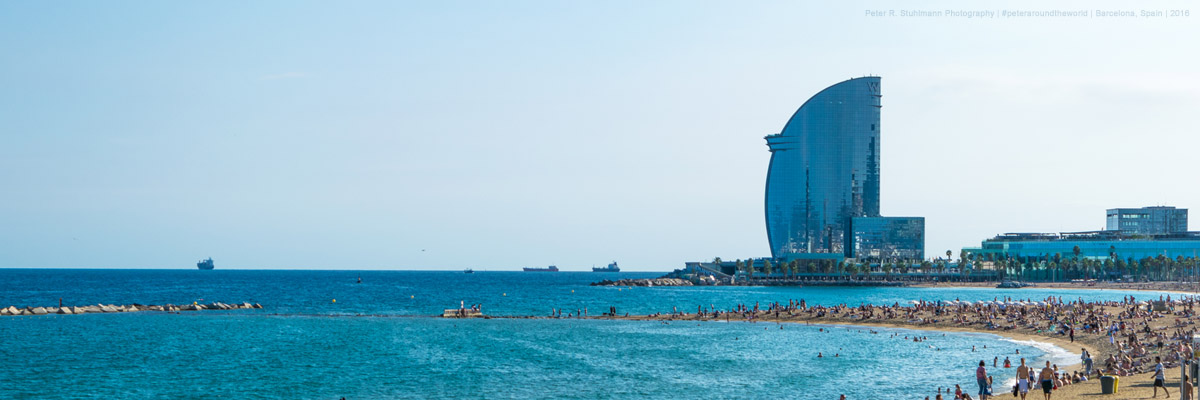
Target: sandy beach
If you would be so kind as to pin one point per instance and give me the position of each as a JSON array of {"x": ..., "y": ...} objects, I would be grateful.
[
  {"x": 1134, "y": 324},
  {"x": 1174, "y": 287}
]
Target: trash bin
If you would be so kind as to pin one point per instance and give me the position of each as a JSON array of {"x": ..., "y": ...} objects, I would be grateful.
[{"x": 1108, "y": 384}]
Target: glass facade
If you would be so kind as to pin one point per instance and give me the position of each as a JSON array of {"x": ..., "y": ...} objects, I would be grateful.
[
  {"x": 824, "y": 171},
  {"x": 1147, "y": 220},
  {"x": 1095, "y": 247},
  {"x": 888, "y": 239}
]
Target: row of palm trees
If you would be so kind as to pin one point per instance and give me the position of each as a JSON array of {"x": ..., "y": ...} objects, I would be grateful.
[
  {"x": 1044, "y": 268},
  {"x": 1057, "y": 268},
  {"x": 787, "y": 270}
]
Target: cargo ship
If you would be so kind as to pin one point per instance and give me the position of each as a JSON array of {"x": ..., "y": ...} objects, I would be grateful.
[
  {"x": 547, "y": 269},
  {"x": 610, "y": 268},
  {"x": 205, "y": 264}
]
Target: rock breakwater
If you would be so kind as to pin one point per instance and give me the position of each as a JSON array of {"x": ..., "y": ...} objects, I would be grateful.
[
  {"x": 645, "y": 282},
  {"x": 111, "y": 308}
]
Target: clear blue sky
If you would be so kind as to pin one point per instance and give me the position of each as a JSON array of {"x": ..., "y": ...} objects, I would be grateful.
[{"x": 502, "y": 134}]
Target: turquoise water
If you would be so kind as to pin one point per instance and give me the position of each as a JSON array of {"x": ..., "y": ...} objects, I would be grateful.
[{"x": 376, "y": 343}]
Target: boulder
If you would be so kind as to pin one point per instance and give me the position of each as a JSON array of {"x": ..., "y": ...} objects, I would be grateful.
[
  {"x": 4, "y": 311},
  {"x": 92, "y": 309},
  {"x": 77, "y": 310},
  {"x": 247, "y": 305},
  {"x": 38, "y": 311},
  {"x": 256, "y": 305},
  {"x": 65, "y": 310},
  {"x": 108, "y": 309},
  {"x": 132, "y": 308}
]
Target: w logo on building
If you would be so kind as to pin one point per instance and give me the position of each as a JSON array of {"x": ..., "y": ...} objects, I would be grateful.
[{"x": 873, "y": 87}]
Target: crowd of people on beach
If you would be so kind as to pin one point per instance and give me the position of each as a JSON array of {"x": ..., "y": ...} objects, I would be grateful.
[{"x": 1136, "y": 331}]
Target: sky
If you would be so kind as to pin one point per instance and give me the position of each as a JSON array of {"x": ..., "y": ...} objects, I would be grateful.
[{"x": 501, "y": 134}]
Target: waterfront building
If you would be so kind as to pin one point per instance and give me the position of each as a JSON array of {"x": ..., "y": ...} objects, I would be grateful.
[
  {"x": 1131, "y": 234},
  {"x": 1097, "y": 245},
  {"x": 824, "y": 174},
  {"x": 1147, "y": 220}
]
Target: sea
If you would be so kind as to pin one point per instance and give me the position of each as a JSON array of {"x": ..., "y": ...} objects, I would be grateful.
[{"x": 324, "y": 335}]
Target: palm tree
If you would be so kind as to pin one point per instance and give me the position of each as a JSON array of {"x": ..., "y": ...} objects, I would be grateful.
[
  {"x": 1075, "y": 251},
  {"x": 887, "y": 270},
  {"x": 767, "y": 268}
]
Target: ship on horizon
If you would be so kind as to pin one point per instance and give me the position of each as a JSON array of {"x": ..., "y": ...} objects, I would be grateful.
[
  {"x": 610, "y": 268},
  {"x": 205, "y": 264},
  {"x": 547, "y": 269}
]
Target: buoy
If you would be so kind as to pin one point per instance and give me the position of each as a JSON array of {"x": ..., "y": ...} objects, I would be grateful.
[
  {"x": 618, "y": 289},
  {"x": 412, "y": 296},
  {"x": 572, "y": 290},
  {"x": 506, "y": 294},
  {"x": 335, "y": 300}
]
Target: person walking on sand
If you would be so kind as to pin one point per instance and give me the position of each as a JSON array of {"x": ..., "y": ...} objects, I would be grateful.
[
  {"x": 1023, "y": 379},
  {"x": 981, "y": 379},
  {"x": 1047, "y": 380},
  {"x": 1159, "y": 378}
]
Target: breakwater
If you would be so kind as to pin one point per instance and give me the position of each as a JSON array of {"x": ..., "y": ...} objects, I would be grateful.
[
  {"x": 645, "y": 282},
  {"x": 110, "y": 308}
]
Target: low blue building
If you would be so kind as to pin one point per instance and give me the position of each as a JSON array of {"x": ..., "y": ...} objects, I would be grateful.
[{"x": 1116, "y": 245}]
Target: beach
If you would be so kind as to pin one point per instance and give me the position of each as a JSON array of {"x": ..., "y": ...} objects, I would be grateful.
[
  {"x": 1176, "y": 287},
  {"x": 1137, "y": 329}
]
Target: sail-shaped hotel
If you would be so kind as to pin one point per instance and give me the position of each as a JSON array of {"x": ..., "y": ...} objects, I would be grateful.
[{"x": 822, "y": 196}]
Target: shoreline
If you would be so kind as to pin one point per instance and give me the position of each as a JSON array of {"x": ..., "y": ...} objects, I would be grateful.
[
  {"x": 1029, "y": 325},
  {"x": 1016, "y": 337},
  {"x": 1163, "y": 287}
]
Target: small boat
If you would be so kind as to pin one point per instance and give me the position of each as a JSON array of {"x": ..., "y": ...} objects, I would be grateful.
[
  {"x": 547, "y": 269},
  {"x": 469, "y": 271},
  {"x": 610, "y": 268},
  {"x": 205, "y": 264}
]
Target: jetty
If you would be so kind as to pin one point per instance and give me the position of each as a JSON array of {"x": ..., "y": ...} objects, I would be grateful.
[
  {"x": 111, "y": 308},
  {"x": 462, "y": 313},
  {"x": 645, "y": 282}
]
